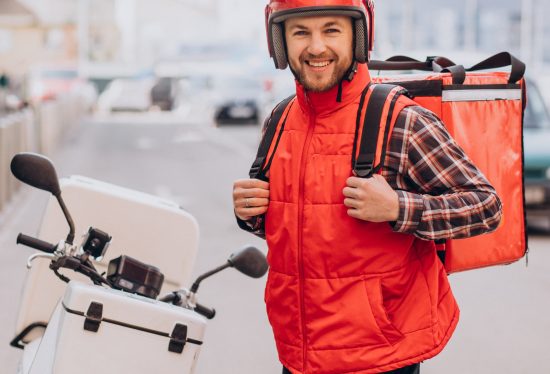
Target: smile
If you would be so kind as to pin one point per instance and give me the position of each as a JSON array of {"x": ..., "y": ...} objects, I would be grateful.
[{"x": 319, "y": 64}]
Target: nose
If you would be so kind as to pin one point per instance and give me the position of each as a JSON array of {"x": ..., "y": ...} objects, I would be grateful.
[{"x": 317, "y": 45}]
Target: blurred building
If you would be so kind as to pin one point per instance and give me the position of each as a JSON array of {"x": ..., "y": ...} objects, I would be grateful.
[
  {"x": 127, "y": 37},
  {"x": 445, "y": 26},
  {"x": 26, "y": 38}
]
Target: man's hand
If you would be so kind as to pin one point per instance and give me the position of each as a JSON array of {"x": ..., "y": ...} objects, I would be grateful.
[
  {"x": 250, "y": 198},
  {"x": 371, "y": 199}
]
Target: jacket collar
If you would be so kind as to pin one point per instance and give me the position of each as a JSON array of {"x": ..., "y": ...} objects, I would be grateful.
[{"x": 325, "y": 102}]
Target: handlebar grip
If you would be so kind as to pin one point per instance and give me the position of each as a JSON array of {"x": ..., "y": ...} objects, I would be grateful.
[
  {"x": 36, "y": 243},
  {"x": 205, "y": 311}
]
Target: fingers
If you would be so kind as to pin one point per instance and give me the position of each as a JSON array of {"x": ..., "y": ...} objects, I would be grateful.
[
  {"x": 352, "y": 193},
  {"x": 250, "y": 188},
  {"x": 251, "y": 183},
  {"x": 250, "y": 193},
  {"x": 352, "y": 203},
  {"x": 354, "y": 213},
  {"x": 247, "y": 213},
  {"x": 251, "y": 202},
  {"x": 247, "y": 208},
  {"x": 353, "y": 187},
  {"x": 250, "y": 198},
  {"x": 355, "y": 182}
]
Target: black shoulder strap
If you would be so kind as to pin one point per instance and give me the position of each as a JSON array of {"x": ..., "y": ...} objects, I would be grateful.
[
  {"x": 270, "y": 129},
  {"x": 372, "y": 125},
  {"x": 363, "y": 166}
]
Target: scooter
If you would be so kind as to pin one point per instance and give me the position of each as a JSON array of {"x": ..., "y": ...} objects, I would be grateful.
[{"x": 111, "y": 321}]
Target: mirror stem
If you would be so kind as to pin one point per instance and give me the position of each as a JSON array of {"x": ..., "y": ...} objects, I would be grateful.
[
  {"x": 70, "y": 236},
  {"x": 195, "y": 286}
]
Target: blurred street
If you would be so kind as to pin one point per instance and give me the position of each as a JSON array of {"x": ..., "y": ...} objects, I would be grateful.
[
  {"x": 187, "y": 163},
  {"x": 504, "y": 322}
]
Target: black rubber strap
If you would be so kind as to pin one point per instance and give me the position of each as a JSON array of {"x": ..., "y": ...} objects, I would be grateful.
[
  {"x": 257, "y": 171},
  {"x": 364, "y": 164},
  {"x": 432, "y": 63},
  {"x": 458, "y": 72},
  {"x": 398, "y": 65},
  {"x": 501, "y": 60},
  {"x": 437, "y": 64}
]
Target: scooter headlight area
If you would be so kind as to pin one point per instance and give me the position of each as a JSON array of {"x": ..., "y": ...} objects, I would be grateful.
[{"x": 111, "y": 305}]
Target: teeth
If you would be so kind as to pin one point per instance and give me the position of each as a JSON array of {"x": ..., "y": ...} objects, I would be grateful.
[{"x": 319, "y": 64}]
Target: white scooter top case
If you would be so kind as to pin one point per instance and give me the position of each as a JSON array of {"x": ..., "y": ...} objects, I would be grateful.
[
  {"x": 100, "y": 330},
  {"x": 151, "y": 229}
]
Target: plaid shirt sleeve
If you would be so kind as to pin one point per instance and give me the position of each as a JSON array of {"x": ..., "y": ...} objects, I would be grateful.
[{"x": 441, "y": 192}]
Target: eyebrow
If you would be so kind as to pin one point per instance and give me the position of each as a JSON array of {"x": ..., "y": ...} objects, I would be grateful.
[{"x": 328, "y": 24}]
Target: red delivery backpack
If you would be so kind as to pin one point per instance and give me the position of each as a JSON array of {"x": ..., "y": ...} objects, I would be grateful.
[{"x": 482, "y": 110}]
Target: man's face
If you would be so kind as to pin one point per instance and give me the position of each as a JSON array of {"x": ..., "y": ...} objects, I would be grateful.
[{"x": 320, "y": 50}]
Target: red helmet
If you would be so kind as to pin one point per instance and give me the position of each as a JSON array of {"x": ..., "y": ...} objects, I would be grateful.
[{"x": 277, "y": 11}]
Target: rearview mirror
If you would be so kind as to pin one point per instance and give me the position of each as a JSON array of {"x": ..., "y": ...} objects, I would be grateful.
[
  {"x": 249, "y": 261},
  {"x": 37, "y": 171}
]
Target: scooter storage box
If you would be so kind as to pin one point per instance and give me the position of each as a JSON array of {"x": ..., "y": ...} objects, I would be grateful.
[
  {"x": 99, "y": 330},
  {"x": 153, "y": 230}
]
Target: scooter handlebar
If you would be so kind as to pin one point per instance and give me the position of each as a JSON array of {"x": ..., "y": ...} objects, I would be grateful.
[
  {"x": 36, "y": 243},
  {"x": 205, "y": 311}
]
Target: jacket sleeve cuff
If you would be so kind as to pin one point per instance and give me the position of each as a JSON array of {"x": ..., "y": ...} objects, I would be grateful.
[
  {"x": 411, "y": 207},
  {"x": 253, "y": 225}
]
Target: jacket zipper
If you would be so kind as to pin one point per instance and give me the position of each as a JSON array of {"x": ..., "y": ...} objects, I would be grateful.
[{"x": 303, "y": 163}]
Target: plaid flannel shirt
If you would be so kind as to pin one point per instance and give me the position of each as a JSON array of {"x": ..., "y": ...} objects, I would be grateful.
[{"x": 442, "y": 194}]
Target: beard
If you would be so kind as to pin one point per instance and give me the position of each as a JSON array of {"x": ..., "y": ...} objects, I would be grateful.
[{"x": 320, "y": 82}]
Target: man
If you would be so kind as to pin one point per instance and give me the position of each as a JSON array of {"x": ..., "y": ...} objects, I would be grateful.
[{"x": 355, "y": 285}]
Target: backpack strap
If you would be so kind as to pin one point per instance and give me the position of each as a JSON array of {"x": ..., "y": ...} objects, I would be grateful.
[
  {"x": 377, "y": 126},
  {"x": 372, "y": 137},
  {"x": 258, "y": 170},
  {"x": 441, "y": 248}
]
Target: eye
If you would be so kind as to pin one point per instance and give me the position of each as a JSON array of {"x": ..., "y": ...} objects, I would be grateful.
[
  {"x": 299, "y": 33},
  {"x": 332, "y": 31}
]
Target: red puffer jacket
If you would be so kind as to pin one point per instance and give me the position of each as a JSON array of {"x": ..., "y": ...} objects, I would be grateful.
[{"x": 344, "y": 295}]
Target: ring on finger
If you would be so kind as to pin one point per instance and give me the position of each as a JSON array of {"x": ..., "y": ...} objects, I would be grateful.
[{"x": 246, "y": 203}]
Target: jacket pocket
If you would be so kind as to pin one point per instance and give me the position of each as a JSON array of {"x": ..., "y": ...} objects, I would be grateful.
[
  {"x": 376, "y": 300},
  {"x": 283, "y": 312}
]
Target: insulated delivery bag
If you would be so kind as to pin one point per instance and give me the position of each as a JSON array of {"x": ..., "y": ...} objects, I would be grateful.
[{"x": 483, "y": 111}]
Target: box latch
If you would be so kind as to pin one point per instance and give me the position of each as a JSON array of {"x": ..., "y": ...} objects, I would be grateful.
[
  {"x": 178, "y": 338},
  {"x": 93, "y": 317}
]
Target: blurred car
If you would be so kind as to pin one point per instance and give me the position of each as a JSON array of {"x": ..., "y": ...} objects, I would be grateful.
[
  {"x": 537, "y": 156},
  {"x": 238, "y": 111},
  {"x": 237, "y": 99},
  {"x": 48, "y": 82},
  {"x": 164, "y": 93},
  {"x": 126, "y": 95}
]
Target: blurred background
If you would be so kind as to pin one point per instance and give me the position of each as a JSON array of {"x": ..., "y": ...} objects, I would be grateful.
[
  {"x": 168, "y": 53},
  {"x": 166, "y": 97}
]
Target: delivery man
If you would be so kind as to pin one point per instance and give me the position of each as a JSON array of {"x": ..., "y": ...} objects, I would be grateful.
[{"x": 355, "y": 284}]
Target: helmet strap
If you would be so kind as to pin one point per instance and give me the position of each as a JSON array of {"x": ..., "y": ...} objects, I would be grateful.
[{"x": 348, "y": 76}]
